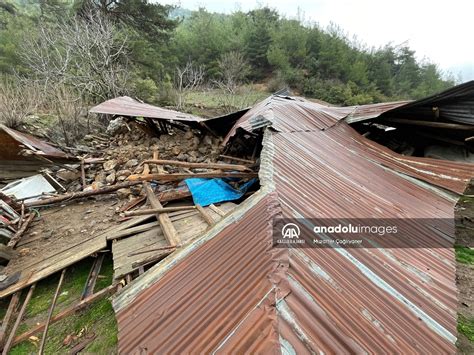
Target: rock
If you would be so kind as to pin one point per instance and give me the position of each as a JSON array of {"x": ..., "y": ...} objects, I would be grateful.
[
  {"x": 176, "y": 150},
  {"x": 123, "y": 193},
  {"x": 202, "y": 150},
  {"x": 68, "y": 175},
  {"x": 110, "y": 179},
  {"x": 124, "y": 173},
  {"x": 131, "y": 163},
  {"x": 116, "y": 126},
  {"x": 188, "y": 135},
  {"x": 110, "y": 165},
  {"x": 207, "y": 140},
  {"x": 100, "y": 177}
]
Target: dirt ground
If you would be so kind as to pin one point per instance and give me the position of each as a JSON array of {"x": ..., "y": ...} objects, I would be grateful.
[{"x": 60, "y": 226}]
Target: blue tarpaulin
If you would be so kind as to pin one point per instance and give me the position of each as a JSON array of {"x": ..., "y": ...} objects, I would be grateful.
[{"x": 207, "y": 191}]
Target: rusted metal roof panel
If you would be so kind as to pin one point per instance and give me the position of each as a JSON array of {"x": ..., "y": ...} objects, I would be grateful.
[
  {"x": 126, "y": 106},
  {"x": 289, "y": 114},
  {"x": 293, "y": 114},
  {"x": 358, "y": 300},
  {"x": 12, "y": 140},
  {"x": 366, "y": 112},
  {"x": 220, "y": 290}
]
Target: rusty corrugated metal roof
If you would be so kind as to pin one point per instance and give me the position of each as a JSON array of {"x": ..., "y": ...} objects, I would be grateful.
[
  {"x": 293, "y": 114},
  {"x": 230, "y": 291},
  {"x": 11, "y": 147},
  {"x": 126, "y": 106}
]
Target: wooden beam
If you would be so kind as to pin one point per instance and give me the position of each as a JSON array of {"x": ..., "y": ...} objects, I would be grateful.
[
  {"x": 237, "y": 159},
  {"x": 6, "y": 320},
  {"x": 182, "y": 176},
  {"x": 50, "y": 312},
  {"x": 21, "y": 231},
  {"x": 10, "y": 340},
  {"x": 445, "y": 125},
  {"x": 145, "y": 212},
  {"x": 166, "y": 226},
  {"x": 74, "y": 195},
  {"x": 66, "y": 312},
  {"x": 209, "y": 220},
  {"x": 92, "y": 277},
  {"x": 217, "y": 210},
  {"x": 6, "y": 252},
  {"x": 185, "y": 164}
]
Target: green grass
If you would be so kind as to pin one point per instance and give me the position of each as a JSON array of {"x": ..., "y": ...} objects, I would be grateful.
[
  {"x": 464, "y": 255},
  {"x": 98, "y": 318},
  {"x": 466, "y": 327}
]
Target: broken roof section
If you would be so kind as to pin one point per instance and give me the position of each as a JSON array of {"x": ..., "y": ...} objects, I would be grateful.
[
  {"x": 14, "y": 163},
  {"x": 293, "y": 114},
  {"x": 128, "y": 107},
  {"x": 455, "y": 104},
  {"x": 231, "y": 291}
]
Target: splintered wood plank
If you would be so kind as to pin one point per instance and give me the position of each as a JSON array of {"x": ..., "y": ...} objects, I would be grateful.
[
  {"x": 44, "y": 265},
  {"x": 166, "y": 225}
]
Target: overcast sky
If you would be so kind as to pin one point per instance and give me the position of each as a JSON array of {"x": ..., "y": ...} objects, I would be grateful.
[{"x": 442, "y": 33}]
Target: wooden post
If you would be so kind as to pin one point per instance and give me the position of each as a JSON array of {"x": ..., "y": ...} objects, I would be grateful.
[
  {"x": 7, "y": 346},
  {"x": 50, "y": 312},
  {"x": 209, "y": 220},
  {"x": 83, "y": 174},
  {"x": 6, "y": 320},
  {"x": 166, "y": 226},
  {"x": 68, "y": 311}
]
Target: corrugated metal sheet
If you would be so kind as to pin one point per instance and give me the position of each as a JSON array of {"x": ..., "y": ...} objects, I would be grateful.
[
  {"x": 376, "y": 300},
  {"x": 455, "y": 104},
  {"x": 231, "y": 292},
  {"x": 227, "y": 275},
  {"x": 11, "y": 141},
  {"x": 126, "y": 106},
  {"x": 293, "y": 114}
]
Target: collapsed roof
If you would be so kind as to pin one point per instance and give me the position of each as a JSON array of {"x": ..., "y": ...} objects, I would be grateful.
[
  {"x": 128, "y": 107},
  {"x": 231, "y": 291},
  {"x": 22, "y": 154}
]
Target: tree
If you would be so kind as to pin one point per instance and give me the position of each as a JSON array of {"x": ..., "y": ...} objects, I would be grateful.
[
  {"x": 187, "y": 78},
  {"x": 84, "y": 53}
]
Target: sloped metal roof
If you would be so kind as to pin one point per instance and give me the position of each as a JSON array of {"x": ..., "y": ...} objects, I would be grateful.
[
  {"x": 293, "y": 114},
  {"x": 10, "y": 146},
  {"x": 230, "y": 291},
  {"x": 126, "y": 106}
]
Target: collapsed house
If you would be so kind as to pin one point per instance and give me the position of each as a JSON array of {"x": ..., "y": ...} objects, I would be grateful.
[{"x": 204, "y": 275}]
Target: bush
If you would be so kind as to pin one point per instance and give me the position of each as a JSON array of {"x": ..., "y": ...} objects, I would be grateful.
[
  {"x": 145, "y": 89},
  {"x": 17, "y": 101}
]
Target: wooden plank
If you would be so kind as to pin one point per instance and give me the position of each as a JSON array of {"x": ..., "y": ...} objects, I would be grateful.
[
  {"x": 166, "y": 226},
  {"x": 443, "y": 125},
  {"x": 42, "y": 268},
  {"x": 92, "y": 277},
  {"x": 144, "y": 212},
  {"x": 237, "y": 159},
  {"x": 185, "y": 164},
  {"x": 50, "y": 312},
  {"x": 182, "y": 176},
  {"x": 133, "y": 230},
  {"x": 209, "y": 220},
  {"x": 6, "y": 320},
  {"x": 9, "y": 342},
  {"x": 217, "y": 210},
  {"x": 66, "y": 312}
]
